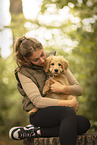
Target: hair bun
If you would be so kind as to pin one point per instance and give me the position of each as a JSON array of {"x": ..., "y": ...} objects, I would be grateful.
[{"x": 25, "y": 46}]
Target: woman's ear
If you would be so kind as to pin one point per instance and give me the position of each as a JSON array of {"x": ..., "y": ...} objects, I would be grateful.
[
  {"x": 65, "y": 65},
  {"x": 47, "y": 63}
]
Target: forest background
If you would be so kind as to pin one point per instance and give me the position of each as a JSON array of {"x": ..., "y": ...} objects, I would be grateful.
[{"x": 68, "y": 27}]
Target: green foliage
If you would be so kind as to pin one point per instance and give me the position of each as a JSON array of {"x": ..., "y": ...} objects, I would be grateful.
[
  {"x": 10, "y": 104},
  {"x": 83, "y": 59}
]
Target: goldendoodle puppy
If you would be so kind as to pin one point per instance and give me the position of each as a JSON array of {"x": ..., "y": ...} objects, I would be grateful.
[{"x": 55, "y": 68}]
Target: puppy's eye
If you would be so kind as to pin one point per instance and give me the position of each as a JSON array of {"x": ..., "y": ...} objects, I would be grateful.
[
  {"x": 52, "y": 63},
  {"x": 59, "y": 64}
]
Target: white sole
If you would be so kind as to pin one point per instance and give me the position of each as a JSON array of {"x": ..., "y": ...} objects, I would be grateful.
[
  {"x": 10, "y": 132},
  {"x": 13, "y": 128}
]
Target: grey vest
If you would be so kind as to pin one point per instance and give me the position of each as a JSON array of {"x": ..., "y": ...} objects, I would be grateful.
[{"x": 37, "y": 75}]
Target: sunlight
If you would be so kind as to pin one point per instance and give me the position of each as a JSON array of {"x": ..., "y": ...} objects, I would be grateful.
[
  {"x": 56, "y": 39},
  {"x": 5, "y": 33},
  {"x": 5, "y": 17},
  {"x": 31, "y": 8},
  {"x": 87, "y": 24},
  {"x": 53, "y": 17},
  {"x": 6, "y": 42},
  {"x": 42, "y": 34}
]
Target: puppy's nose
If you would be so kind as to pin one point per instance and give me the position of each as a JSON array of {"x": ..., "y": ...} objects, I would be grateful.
[{"x": 56, "y": 70}]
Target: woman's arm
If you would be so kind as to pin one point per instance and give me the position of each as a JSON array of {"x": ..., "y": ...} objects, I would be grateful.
[
  {"x": 75, "y": 88},
  {"x": 70, "y": 103},
  {"x": 35, "y": 97},
  {"x": 33, "y": 93}
]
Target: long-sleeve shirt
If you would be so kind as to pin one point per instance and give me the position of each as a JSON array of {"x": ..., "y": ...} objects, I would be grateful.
[{"x": 35, "y": 97}]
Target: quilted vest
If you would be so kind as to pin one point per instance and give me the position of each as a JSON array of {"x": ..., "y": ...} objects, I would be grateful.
[{"x": 37, "y": 75}]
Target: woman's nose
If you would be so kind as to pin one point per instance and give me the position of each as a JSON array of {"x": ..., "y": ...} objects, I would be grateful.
[{"x": 42, "y": 60}]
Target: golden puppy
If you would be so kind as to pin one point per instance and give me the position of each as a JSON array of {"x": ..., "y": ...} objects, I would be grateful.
[{"x": 55, "y": 67}]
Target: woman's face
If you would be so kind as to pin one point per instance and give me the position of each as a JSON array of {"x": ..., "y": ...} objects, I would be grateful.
[{"x": 38, "y": 58}]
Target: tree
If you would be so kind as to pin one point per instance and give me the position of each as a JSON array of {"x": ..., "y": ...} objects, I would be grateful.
[
  {"x": 17, "y": 19},
  {"x": 16, "y": 7}
]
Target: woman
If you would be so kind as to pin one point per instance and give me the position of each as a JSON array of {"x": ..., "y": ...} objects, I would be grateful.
[{"x": 54, "y": 117}]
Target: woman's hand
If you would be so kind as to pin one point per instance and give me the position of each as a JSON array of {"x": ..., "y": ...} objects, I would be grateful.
[
  {"x": 70, "y": 103},
  {"x": 74, "y": 103},
  {"x": 57, "y": 87}
]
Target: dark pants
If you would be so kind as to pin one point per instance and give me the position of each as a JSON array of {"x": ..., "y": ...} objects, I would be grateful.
[{"x": 62, "y": 122}]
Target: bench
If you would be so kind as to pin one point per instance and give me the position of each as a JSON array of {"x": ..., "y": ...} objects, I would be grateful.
[{"x": 86, "y": 139}]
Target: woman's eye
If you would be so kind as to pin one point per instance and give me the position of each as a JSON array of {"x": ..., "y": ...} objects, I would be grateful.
[
  {"x": 59, "y": 64},
  {"x": 35, "y": 60},
  {"x": 42, "y": 54},
  {"x": 52, "y": 63}
]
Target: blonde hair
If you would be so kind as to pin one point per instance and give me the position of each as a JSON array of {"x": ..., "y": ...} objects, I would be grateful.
[{"x": 24, "y": 48}]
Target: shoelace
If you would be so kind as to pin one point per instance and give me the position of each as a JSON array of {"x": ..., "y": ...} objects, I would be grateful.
[{"x": 25, "y": 133}]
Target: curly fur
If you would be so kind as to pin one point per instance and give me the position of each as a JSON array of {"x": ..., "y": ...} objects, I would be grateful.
[{"x": 55, "y": 68}]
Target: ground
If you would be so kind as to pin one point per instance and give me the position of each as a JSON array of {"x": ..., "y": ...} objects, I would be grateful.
[{"x": 4, "y": 140}]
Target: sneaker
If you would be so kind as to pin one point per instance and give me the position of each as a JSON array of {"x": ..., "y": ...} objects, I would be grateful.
[{"x": 19, "y": 133}]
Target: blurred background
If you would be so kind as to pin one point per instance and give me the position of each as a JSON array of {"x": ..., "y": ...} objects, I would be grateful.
[{"x": 67, "y": 26}]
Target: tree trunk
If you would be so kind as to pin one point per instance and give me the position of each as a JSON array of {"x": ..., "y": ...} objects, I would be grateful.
[
  {"x": 86, "y": 139},
  {"x": 16, "y": 6}
]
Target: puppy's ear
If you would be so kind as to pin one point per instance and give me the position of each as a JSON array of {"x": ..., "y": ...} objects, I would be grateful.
[
  {"x": 65, "y": 65},
  {"x": 47, "y": 63}
]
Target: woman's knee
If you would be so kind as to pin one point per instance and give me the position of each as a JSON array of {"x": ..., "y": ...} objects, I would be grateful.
[
  {"x": 83, "y": 124},
  {"x": 68, "y": 112}
]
